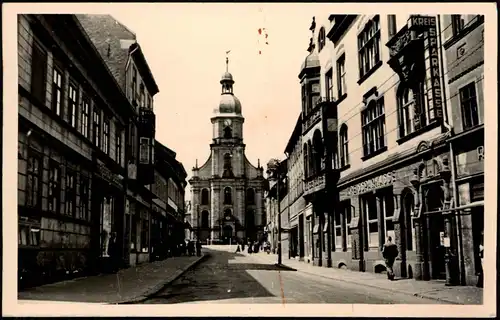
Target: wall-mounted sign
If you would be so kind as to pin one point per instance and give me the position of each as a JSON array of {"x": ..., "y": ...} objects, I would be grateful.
[
  {"x": 480, "y": 153},
  {"x": 381, "y": 181}
]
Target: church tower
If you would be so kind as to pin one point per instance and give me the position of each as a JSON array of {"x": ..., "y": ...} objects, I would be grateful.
[{"x": 227, "y": 191}]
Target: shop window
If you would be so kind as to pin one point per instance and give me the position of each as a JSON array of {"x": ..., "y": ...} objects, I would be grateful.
[
  {"x": 369, "y": 47},
  {"x": 369, "y": 204},
  {"x": 329, "y": 84},
  {"x": 468, "y": 104},
  {"x": 145, "y": 235},
  {"x": 84, "y": 116},
  {"x": 72, "y": 104},
  {"x": 105, "y": 136},
  {"x": 227, "y": 196},
  {"x": 338, "y": 230},
  {"x": 344, "y": 151},
  {"x": 373, "y": 127},
  {"x": 70, "y": 193},
  {"x": 96, "y": 127},
  {"x": 205, "y": 219},
  {"x": 386, "y": 203},
  {"x": 57, "y": 89},
  {"x": 38, "y": 72},
  {"x": 204, "y": 197},
  {"x": 321, "y": 39},
  {"x": 341, "y": 77},
  {"x": 84, "y": 199},
  {"x": 34, "y": 174},
  {"x": 250, "y": 196},
  {"x": 54, "y": 186}
]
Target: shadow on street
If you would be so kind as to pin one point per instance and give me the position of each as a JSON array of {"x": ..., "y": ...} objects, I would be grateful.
[{"x": 221, "y": 276}]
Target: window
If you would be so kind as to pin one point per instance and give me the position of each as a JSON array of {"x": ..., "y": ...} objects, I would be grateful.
[
  {"x": 348, "y": 217},
  {"x": 341, "y": 78},
  {"x": 344, "y": 149},
  {"x": 84, "y": 199},
  {"x": 369, "y": 206},
  {"x": 72, "y": 104},
  {"x": 468, "y": 103},
  {"x": 462, "y": 21},
  {"x": 204, "y": 197},
  {"x": 391, "y": 23},
  {"x": 204, "y": 219},
  {"x": 250, "y": 196},
  {"x": 119, "y": 146},
  {"x": 368, "y": 47},
  {"x": 304, "y": 99},
  {"x": 70, "y": 195},
  {"x": 34, "y": 172},
  {"x": 227, "y": 133},
  {"x": 150, "y": 102},
  {"x": 406, "y": 104},
  {"x": 28, "y": 236},
  {"x": 338, "y": 230},
  {"x": 134, "y": 84},
  {"x": 131, "y": 148},
  {"x": 373, "y": 127},
  {"x": 321, "y": 39},
  {"x": 54, "y": 186},
  {"x": 386, "y": 203},
  {"x": 142, "y": 97},
  {"x": 38, "y": 72},
  {"x": 227, "y": 196},
  {"x": 329, "y": 84},
  {"x": 105, "y": 136},
  {"x": 85, "y": 114},
  {"x": 144, "y": 151},
  {"x": 97, "y": 127},
  {"x": 57, "y": 85}
]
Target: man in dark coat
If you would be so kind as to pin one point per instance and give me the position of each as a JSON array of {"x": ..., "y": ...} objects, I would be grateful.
[
  {"x": 390, "y": 252},
  {"x": 113, "y": 253}
]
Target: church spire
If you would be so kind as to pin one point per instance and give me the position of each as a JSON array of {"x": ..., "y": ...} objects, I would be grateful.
[{"x": 227, "y": 78}]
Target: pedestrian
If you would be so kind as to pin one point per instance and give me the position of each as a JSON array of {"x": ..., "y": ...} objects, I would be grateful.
[
  {"x": 238, "y": 249},
  {"x": 198, "y": 248},
  {"x": 243, "y": 245},
  {"x": 390, "y": 252},
  {"x": 113, "y": 253},
  {"x": 480, "y": 280},
  {"x": 250, "y": 247}
]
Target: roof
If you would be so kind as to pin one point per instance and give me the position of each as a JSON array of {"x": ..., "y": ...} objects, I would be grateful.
[
  {"x": 141, "y": 63},
  {"x": 296, "y": 133}
]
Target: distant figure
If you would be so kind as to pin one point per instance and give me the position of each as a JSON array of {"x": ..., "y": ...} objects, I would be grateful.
[
  {"x": 238, "y": 249},
  {"x": 250, "y": 251},
  {"x": 480, "y": 279},
  {"x": 390, "y": 252},
  {"x": 191, "y": 248},
  {"x": 198, "y": 248},
  {"x": 113, "y": 252}
]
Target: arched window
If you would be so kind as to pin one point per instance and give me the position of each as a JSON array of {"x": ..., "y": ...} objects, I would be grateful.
[
  {"x": 250, "y": 196},
  {"x": 228, "y": 169},
  {"x": 310, "y": 162},
  {"x": 344, "y": 150},
  {"x": 406, "y": 105},
  {"x": 321, "y": 39},
  {"x": 204, "y": 196},
  {"x": 306, "y": 161},
  {"x": 204, "y": 219},
  {"x": 227, "y": 195},
  {"x": 228, "y": 133}
]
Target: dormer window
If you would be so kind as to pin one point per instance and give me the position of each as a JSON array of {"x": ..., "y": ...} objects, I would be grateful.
[{"x": 321, "y": 39}]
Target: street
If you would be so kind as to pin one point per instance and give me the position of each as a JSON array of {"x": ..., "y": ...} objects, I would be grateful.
[{"x": 227, "y": 277}]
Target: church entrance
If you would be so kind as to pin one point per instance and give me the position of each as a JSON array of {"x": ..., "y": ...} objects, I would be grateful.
[{"x": 227, "y": 234}]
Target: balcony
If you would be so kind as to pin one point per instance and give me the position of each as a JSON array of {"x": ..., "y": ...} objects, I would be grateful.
[
  {"x": 321, "y": 105},
  {"x": 315, "y": 184}
]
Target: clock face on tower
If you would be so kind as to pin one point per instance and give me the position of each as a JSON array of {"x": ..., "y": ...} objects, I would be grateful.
[{"x": 227, "y": 122}]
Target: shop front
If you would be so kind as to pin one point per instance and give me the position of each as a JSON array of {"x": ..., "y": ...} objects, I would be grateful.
[
  {"x": 402, "y": 201},
  {"x": 139, "y": 217}
]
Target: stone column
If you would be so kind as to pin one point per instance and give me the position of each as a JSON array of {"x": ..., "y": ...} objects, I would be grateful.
[
  {"x": 400, "y": 237},
  {"x": 356, "y": 226}
]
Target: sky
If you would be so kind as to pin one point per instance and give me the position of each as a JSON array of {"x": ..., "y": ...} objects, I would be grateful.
[{"x": 185, "y": 46}]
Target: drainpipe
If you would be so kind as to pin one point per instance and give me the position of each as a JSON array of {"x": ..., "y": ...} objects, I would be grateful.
[{"x": 449, "y": 128}]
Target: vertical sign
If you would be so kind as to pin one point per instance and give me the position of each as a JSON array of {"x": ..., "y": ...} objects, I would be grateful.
[{"x": 434, "y": 67}]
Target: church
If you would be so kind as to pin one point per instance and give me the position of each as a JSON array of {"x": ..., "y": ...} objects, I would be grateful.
[{"x": 227, "y": 190}]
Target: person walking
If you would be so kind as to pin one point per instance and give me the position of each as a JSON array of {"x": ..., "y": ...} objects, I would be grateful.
[
  {"x": 113, "y": 253},
  {"x": 480, "y": 280},
  {"x": 390, "y": 252}
]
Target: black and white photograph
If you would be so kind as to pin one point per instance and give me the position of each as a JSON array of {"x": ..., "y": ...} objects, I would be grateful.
[{"x": 276, "y": 158}]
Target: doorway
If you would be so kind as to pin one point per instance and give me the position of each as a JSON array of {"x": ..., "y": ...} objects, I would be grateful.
[
  {"x": 227, "y": 234},
  {"x": 301, "y": 236},
  {"x": 434, "y": 201}
]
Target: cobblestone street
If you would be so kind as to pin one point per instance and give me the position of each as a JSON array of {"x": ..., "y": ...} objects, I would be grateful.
[{"x": 228, "y": 277}]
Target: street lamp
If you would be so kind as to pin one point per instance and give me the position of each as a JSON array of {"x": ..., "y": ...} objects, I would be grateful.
[{"x": 275, "y": 175}]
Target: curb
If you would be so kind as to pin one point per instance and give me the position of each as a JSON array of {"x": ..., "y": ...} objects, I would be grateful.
[
  {"x": 157, "y": 288},
  {"x": 419, "y": 295}
]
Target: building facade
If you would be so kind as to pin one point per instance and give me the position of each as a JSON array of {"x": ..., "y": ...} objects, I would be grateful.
[
  {"x": 71, "y": 151},
  {"x": 227, "y": 190},
  {"x": 125, "y": 60},
  {"x": 463, "y": 42}
]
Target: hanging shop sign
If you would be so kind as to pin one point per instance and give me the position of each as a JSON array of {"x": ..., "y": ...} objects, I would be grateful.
[{"x": 381, "y": 181}]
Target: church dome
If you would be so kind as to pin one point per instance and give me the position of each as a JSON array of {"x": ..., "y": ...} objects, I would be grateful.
[
  {"x": 226, "y": 77},
  {"x": 229, "y": 104},
  {"x": 311, "y": 61}
]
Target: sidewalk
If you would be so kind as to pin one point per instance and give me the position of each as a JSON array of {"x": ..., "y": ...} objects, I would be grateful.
[
  {"x": 424, "y": 289},
  {"x": 130, "y": 285}
]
